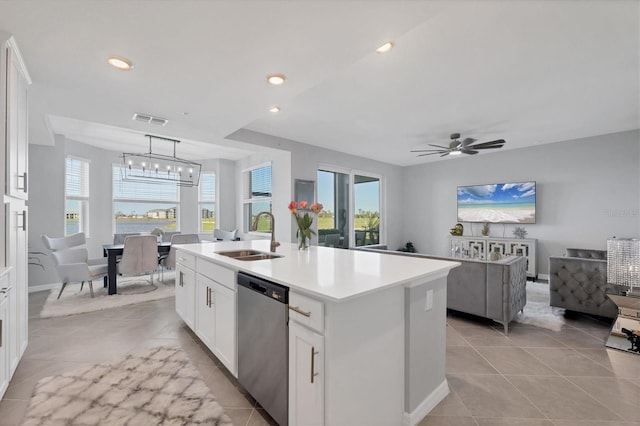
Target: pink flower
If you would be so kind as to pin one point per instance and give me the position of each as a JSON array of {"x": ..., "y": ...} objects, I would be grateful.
[
  {"x": 316, "y": 208},
  {"x": 302, "y": 204},
  {"x": 292, "y": 205}
]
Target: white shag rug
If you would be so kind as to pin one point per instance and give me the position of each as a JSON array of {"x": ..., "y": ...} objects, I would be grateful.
[
  {"x": 130, "y": 290},
  {"x": 537, "y": 311},
  {"x": 157, "y": 387}
]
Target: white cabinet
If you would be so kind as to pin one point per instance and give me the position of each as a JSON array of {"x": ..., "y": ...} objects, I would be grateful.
[
  {"x": 206, "y": 301},
  {"x": 185, "y": 292},
  {"x": 482, "y": 247},
  {"x": 306, "y": 376},
  {"x": 205, "y": 312},
  {"x": 16, "y": 80}
]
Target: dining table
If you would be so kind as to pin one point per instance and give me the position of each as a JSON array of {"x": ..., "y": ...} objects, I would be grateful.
[{"x": 112, "y": 251}]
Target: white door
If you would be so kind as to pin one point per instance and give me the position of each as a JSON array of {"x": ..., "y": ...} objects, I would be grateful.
[
  {"x": 185, "y": 295},
  {"x": 17, "y": 143},
  {"x": 16, "y": 249},
  {"x": 306, "y": 376},
  {"x": 224, "y": 305}
]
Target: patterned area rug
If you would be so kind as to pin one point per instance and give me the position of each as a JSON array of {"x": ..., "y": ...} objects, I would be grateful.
[
  {"x": 537, "y": 311},
  {"x": 158, "y": 387},
  {"x": 130, "y": 290}
]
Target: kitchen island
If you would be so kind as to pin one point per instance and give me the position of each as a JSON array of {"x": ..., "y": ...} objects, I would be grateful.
[{"x": 366, "y": 330}]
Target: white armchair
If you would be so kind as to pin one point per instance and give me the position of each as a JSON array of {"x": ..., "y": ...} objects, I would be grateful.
[{"x": 72, "y": 266}]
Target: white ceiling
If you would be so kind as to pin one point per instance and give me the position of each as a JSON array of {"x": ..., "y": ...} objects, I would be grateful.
[{"x": 530, "y": 72}]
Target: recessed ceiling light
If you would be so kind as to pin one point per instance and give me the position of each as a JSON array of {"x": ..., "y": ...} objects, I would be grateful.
[
  {"x": 120, "y": 63},
  {"x": 274, "y": 108},
  {"x": 385, "y": 47},
  {"x": 276, "y": 79}
]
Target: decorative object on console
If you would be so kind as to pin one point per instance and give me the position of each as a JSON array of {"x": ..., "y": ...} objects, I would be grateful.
[
  {"x": 408, "y": 248},
  {"x": 457, "y": 230},
  {"x": 152, "y": 167},
  {"x": 495, "y": 254},
  {"x": 520, "y": 232},
  {"x": 623, "y": 263},
  {"x": 485, "y": 229},
  {"x": 304, "y": 221}
]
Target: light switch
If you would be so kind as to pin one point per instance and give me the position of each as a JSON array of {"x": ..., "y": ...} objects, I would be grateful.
[{"x": 429, "y": 300}]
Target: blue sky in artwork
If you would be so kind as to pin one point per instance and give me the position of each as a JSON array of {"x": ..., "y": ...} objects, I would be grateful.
[{"x": 521, "y": 192}]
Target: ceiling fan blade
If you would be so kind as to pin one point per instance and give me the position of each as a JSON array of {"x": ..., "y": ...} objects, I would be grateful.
[
  {"x": 487, "y": 144},
  {"x": 486, "y": 147},
  {"x": 439, "y": 146},
  {"x": 431, "y": 153},
  {"x": 468, "y": 151},
  {"x": 467, "y": 141},
  {"x": 429, "y": 150},
  {"x": 445, "y": 154}
]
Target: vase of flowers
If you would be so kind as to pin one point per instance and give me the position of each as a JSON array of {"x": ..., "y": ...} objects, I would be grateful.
[{"x": 301, "y": 211}]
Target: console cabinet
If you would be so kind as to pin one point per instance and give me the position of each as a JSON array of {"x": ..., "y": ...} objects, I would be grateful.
[{"x": 482, "y": 247}]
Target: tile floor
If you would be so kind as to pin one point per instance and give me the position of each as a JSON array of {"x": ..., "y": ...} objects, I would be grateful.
[{"x": 533, "y": 377}]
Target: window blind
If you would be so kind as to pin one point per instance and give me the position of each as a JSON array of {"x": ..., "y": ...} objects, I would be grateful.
[
  {"x": 207, "y": 187},
  {"x": 143, "y": 191},
  {"x": 77, "y": 178},
  {"x": 260, "y": 182}
]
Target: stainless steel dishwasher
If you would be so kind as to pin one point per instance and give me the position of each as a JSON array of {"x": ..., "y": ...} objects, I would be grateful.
[{"x": 263, "y": 342}]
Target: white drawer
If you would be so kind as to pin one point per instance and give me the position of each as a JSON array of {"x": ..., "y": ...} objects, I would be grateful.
[
  {"x": 185, "y": 259},
  {"x": 306, "y": 311},
  {"x": 218, "y": 273}
]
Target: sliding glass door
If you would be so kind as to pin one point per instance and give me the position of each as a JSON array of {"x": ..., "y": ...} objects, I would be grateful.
[{"x": 352, "y": 206}]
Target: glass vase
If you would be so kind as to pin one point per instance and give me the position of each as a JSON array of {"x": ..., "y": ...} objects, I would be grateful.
[{"x": 303, "y": 241}]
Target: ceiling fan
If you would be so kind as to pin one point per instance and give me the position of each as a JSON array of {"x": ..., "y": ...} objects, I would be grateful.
[{"x": 457, "y": 147}]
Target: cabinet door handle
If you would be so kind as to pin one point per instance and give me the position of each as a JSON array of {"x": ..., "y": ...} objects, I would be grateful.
[
  {"x": 24, "y": 220},
  {"x": 210, "y": 297},
  {"x": 300, "y": 311},
  {"x": 180, "y": 282},
  {"x": 1, "y": 333},
  {"x": 24, "y": 181},
  {"x": 206, "y": 296},
  {"x": 313, "y": 363}
]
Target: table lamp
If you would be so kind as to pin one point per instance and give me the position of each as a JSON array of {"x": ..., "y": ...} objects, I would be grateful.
[{"x": 623, "y": 263}]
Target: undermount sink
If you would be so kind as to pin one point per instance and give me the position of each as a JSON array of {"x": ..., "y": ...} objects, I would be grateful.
[{"x": 248, "y": 255}]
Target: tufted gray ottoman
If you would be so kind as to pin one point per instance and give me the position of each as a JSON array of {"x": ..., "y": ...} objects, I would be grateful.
[{"x": 578, "y": 282}]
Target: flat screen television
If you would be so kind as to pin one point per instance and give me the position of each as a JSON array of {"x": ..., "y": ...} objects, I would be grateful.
[{"x": 498, "y": 203}]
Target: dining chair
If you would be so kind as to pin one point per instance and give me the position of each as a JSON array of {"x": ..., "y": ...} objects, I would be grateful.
[
  {"x": 220, "y": 235},
  {"x": 139, "y": 256},
  {"x": 169, "y": 262},
  {"x": 119, "y": 238},
  {"x": 166, "y": 236},
  {"x": 72, "y": 266},
  {"x": 332, "y": 240}
]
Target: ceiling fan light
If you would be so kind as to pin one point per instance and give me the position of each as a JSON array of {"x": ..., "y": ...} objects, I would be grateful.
[{"x": 455, "y": 153}]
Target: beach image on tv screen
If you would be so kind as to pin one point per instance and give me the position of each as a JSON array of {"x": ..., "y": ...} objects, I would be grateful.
[{"x": 498, "y": 203}]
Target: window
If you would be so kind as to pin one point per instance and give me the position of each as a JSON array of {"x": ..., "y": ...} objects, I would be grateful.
[
  {"x": 143, "y": 206},
  {"x": 351, "y": 217},
  {"x": 258, "y": 197},
  {"x": 207, "y": 201},
  {"x": 76, "y": 196}
]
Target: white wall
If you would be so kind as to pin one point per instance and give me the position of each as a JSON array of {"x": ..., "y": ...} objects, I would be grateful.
[
  {"x": 587, "y": 191},
  {"x": 46, "y": 199},
  {"x": 305, "y": 160}
]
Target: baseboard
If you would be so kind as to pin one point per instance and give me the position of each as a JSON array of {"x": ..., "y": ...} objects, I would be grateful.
[
  {"x": 43, "y": 287},
  {"x": 429, "y": 403}
]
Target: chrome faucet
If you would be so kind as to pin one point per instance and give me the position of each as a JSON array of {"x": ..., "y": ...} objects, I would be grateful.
[{"x": 274, "y": 243}]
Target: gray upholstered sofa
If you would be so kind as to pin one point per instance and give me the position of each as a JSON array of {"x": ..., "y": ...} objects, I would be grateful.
[
  {"x": 578, "y": 281},
  {"x": 494, "y": 290}
]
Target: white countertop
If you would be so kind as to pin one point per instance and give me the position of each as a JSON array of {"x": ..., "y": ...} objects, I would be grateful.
[{"x": 328, "y": 273}]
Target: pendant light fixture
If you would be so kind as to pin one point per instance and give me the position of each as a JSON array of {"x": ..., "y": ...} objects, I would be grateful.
[{"x": 157, "y": 168}]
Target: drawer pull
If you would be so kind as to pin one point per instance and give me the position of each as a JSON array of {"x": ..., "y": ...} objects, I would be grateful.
[
  {"x": 24, "y": 181},
  {"x": 313, "y": 363},
  {"x": 300, "y": 311}
]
